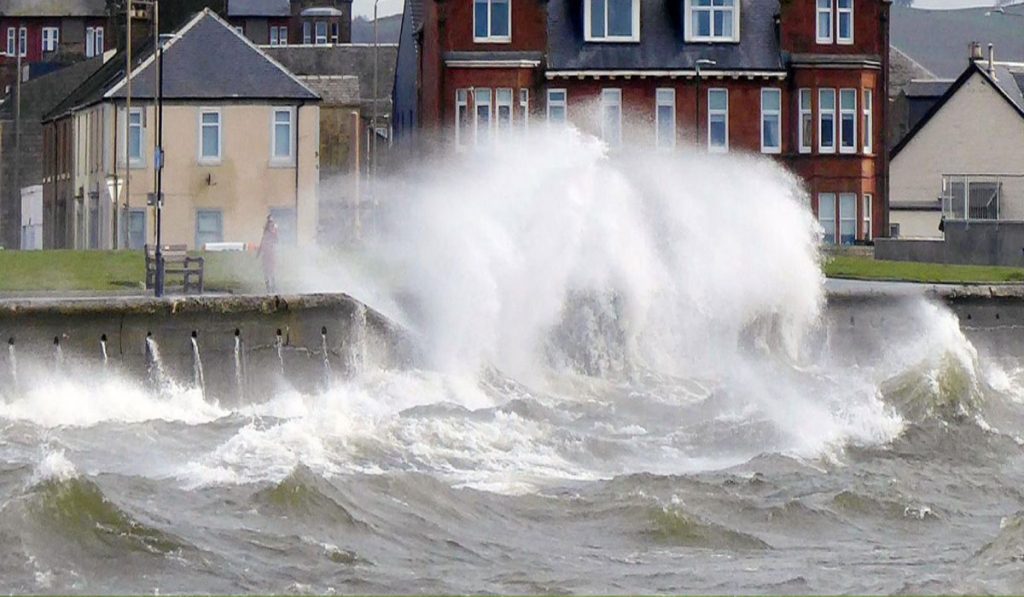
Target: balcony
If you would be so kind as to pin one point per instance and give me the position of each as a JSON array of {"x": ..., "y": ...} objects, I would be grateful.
[{"x": 983, "y": 197}]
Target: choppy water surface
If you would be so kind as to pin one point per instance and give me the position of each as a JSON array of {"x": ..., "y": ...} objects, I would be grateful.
[{"x": 614, "y": 397}]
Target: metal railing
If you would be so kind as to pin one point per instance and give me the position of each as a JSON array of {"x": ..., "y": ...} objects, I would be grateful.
[{"x": 982, "y": 196}]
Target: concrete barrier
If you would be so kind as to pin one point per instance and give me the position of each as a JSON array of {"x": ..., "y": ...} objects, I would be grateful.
[{"x": 354, "y": 334}]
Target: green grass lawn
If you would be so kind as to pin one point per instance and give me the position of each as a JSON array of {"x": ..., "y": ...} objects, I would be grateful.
[
  {"x": 102, "y": 271},
  {"x": 107, "y": 271},
  {"x": 866, "y": 268}
]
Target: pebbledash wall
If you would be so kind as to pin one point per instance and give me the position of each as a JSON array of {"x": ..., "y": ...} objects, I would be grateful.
[{"x": 801, "y": 80}]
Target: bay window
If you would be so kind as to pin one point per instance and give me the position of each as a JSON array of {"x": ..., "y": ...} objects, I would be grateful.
[
  {"x": 866, "y": 233},
  {"x": 718, "y": 120},
  {"x": 806, "y": 124},
  {"x": 612, "y": 20},
  {"x": 827, "y": 120},
  {"x": 321, "y": 33},
  {"x": 847, "y": 121},
  {"x": 524, "y": 106},
  {"x": 462, "y": 122},
  {"x": 868, "y": 128},
  {"x": 492, "y": 20},
  {"x": 557, "y": 103},
  {"x": 611, "y": 116},
  {"x": 712, "y": 20},
  {"x": 503, "y": 109},
  {"x": 482, "y": 121},
  {"x": 665, "y": 118},
  {"x": 771, "y": 118},
  {"x": 827, "y": 216},
  {"x": 847, "y": 218}
]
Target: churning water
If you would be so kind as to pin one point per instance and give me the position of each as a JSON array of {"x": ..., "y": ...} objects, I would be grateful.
[{"x": 630, "y": 385}]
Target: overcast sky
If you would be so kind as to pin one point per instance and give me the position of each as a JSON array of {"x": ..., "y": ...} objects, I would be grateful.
[{"x": 390, "y": 7}]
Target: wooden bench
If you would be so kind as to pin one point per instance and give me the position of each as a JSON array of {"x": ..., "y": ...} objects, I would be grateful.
[{"x": 180, "y": 269}]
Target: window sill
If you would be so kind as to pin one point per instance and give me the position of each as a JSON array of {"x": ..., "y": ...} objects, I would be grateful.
[
  {"x": 712, "y": 40},
  {"x": 771, "y": 150},
  {"x": 844, "y": 42},
  {"x": 718, "y": 150},
  {"x": 285, "y": 163},
  {"x": 614, "y": 40},
  {"x": 826, "y": 150},
  {"x": 209, "y": 161},
  {"x": 492, "y": 40},
  {"x": 824, "y": 42}
]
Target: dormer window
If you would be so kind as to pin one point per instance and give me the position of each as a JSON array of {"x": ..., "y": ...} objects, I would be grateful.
[
  {"x": 612, "y": 20},
  {"x": 712, "y": 20},
  {"x": 492, "y": 21}
]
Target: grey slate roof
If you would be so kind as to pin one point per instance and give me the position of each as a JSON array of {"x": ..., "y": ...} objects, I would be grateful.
[
  {"x": 205, "y": 60},
  {"x": 53, "y": 8},
  {"x": 42, "y": 94},
  {"x": 938, "y": 39},
  {"x": 259, "y": 8},
  {"x": 335, "y": 90},
  {"x": 927, "y": 87},
  {"x": 661, "y": 41},
  {"x": 341, "y": 59}
]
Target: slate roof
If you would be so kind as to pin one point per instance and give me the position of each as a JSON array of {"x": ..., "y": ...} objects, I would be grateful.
[
  {"x": 259, "y": 8},
  {"x": 335, "y": 90},
  {"x": 42, "y": 94},
  {"x": 938, "y": 39},
  {"x": 661, "y": 41},
  {"x": 927, "y": 87},
  {"x": 342, "y": 59},
  {"x": 53, "y": 8},
  {"x": 205, "y": 60},
  {"x": 1008, "y": 80}
]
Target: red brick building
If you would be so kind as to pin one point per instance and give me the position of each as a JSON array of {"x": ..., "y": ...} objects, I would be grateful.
[
  {"x": 53, "y": 33},
  {"x": 291, "y": 22},
  {"x": 801, "y": 80}
]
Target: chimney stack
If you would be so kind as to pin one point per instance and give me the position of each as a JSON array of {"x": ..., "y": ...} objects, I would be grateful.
[
  {"x": 974, "y": 51},
  {"x": 991, "y": 61}
]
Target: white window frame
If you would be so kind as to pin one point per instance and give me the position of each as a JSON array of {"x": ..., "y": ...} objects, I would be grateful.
[
  {"x": 490, "y": 115},
  {"x": 866, "y": 232},
  {"x": 461, "y": 104},
  {"x": 840, "y": 13},
  {"x": 289, "y": 159},
  {"x": 51, "y": 39},
  {"x": 850, "y": 217},
  {"x": 825, "y": 37},
  {"x": 690, "y": 32},
  {"x": 320, "y": 40},
  {"x": 664, "y": 97},
  {"x": 848, "y": 113},
  {"x": 867, "y": 109},
  {"x": 203, "y": 159},
  {"x": 490, "y": 38},
  {"x": 806, "y": 119},
  {"x": 562, "y": 103},
  {"x": 276, "y": 38},
  {"x": 508, "y": 101},
  {"x": 139, "y": 160},
  {"x": 12, "y": 41},
  {"x": 524, "y": 107},
  {"x": 833, "y": 199},
  {"x": 23, "y": 41},
  {"x": 93, "y": 41},
  {"x": 611, "y": 97},
  {"x": 717, "y": 112},
  {"x": 588, "y": 34},
  {"x": 307, "y": 33},
  {"x": 824, "y": 109},
  {"x": 335, "y": 32},
  {"x": 777, "y": 113}
]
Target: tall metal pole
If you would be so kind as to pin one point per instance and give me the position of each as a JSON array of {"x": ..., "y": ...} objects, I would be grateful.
[
  {"x": 127, "y": 133},
  {"x": 373, "y": 139},
  {"x": 17, "y": 133},
  {"x": 159, "y": 163}
]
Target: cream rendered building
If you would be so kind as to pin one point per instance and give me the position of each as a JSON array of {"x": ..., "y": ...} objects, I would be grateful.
[
  {"x": 240, "y": 142},
  {"x": 966, "y": 155}
]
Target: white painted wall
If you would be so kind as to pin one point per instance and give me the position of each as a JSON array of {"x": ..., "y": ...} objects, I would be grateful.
[
  {"x": 976, "y": 132},
  {"x": 32, "y": 218}
]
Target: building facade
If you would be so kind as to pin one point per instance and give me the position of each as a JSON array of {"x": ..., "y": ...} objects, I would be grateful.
[
  {"x": 51, "y": 33},
  {"x": 803, "y": 81},
  {"x": 963, "y": 160},
  {"x": 292, "y": 22},
  {"x": 241, "y": 139}
]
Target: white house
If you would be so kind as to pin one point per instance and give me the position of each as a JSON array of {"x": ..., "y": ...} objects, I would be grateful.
[{"x": 964, "y": 159}]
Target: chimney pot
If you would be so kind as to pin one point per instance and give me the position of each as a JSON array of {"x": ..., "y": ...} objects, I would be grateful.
[
  {"x": 991, "y": 60},
  {"x": 974, "y": 51}
]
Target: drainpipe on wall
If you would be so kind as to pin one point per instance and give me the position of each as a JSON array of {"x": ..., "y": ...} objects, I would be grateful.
[{"x": 298, "y": 110}]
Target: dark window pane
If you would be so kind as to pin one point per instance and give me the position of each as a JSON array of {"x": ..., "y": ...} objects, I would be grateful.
[{"x": 620, "y": 18}]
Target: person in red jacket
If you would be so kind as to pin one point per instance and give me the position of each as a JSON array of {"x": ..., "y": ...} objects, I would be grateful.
[{"x": 268, "y": 253}]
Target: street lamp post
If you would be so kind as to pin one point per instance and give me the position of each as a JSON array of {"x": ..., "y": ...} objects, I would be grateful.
[{"x": 700, "y": 62}]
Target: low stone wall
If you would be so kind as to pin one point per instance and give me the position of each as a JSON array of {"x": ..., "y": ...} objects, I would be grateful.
[
  {"x": 354, "y": 335},
  {"x": 978, "y": 242}
]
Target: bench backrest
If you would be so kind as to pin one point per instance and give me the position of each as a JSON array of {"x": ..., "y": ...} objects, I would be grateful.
[{"x": 169, "y": 251}]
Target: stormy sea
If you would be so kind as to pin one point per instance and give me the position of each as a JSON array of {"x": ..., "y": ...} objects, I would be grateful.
[{"x": 630, "y": 378}]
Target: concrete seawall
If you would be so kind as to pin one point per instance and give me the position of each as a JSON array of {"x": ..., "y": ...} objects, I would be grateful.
[{"x": 354, "y": 334}]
